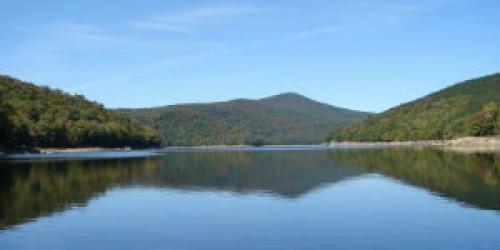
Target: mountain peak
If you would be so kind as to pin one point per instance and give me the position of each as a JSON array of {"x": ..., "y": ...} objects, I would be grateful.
[{"x": 287, "y": 96}]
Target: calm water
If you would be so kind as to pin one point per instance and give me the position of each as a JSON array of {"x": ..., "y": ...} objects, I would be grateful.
[{"x": 292, "y": 199}]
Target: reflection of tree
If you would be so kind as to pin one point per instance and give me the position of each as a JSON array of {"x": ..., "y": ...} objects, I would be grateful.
[
  {"x": 33, "y": 189},
  {"x": 470, "y": 178}
]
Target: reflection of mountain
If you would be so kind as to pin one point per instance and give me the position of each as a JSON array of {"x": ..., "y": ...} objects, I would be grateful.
[
  {"x": 473, "y": 179},
  {"x": 289, "y": 174},
  {"x": 32, "y": 189}
]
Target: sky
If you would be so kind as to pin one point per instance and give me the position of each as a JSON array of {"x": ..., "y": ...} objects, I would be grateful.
[{"x": 366, "y": 55}]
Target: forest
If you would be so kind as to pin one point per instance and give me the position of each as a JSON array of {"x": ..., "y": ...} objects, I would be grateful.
[
  {"x": 287, "y": 118},
  {"x": 33, "y": 116},
  {"x": 470, "y": 108}
]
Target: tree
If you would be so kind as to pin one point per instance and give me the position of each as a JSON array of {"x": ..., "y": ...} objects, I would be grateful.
[
  {"x": 485, "y": 122},
  {"x": 5, "y": 125}
]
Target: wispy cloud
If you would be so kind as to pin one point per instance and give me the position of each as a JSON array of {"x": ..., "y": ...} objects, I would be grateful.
[
  {"x": 78, "y": 32},
  {"x": 50, "y": 53},
  {"x": 187, "y": 20},
  {"x": 82, "y": 35},
  {"x": 368, "y": 16},
  {"x": 140, "y": 71},
  {"x": 304, "y": 34}
]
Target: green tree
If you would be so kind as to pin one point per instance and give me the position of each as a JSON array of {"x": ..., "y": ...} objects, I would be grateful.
[
  {"x": 5, "y": 125},
  {"x": 46, "y": 117},
  {"x": 485, "y": 122}
]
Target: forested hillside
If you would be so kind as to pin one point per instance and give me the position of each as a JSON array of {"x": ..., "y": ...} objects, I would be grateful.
[
  {"x": 32, "y": 116},
  {"x": 283, "y": 119},
  {"x": 470, "y": 108}
]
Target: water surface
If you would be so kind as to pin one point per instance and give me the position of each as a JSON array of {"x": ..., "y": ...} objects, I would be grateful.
[{"x": 253, "y": 199}]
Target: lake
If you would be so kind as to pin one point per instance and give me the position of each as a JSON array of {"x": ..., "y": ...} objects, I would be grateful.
[{"x": 267, "y": 198}]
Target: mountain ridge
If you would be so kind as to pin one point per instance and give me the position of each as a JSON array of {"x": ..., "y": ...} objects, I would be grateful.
[
  {"x": 282, "y": 95},
  {"x": 286, "y": 118}
]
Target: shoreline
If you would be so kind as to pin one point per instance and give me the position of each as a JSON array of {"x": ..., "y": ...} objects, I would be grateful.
[
  {"x": 490, "y": 143},
  {"x": 465, "y": 144},
  {"x": 62, "y": 150},
  {"x": 78, "y": 150},
  {"x": 463, "y": 141}
]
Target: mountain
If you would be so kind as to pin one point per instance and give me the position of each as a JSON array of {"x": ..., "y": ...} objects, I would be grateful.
[
  {"x": 33, "y": 116},
  {"x": 287, "y": 118},
  {"x": 469, "y": 108}
]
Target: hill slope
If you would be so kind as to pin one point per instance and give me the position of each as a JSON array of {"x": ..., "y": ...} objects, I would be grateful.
[
  {"x": 282, "y": 119},
  {"x": 43, "y": 117},
  {"x": 469, "y": 108}
]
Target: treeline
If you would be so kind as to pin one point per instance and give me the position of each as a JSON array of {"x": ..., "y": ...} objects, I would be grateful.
[
  {"x": 32, "y": 116},
  {"x": 470, "y": 108}
]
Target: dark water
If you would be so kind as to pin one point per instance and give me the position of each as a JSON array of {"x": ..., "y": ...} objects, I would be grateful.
[{"x": 294, "y": 199}]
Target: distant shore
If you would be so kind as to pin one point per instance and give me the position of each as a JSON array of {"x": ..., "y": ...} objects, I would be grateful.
[{"x": 489, "y": 143}]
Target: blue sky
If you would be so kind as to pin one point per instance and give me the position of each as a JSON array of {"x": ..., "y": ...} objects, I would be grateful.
[{"x": 366, "y": 55}]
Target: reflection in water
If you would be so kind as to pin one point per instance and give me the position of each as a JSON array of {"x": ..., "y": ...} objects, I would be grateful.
[
  {"x": 473, "y": 179},
  {"x": 32, "y": 189},
  {"x": 288, "y": 174}
]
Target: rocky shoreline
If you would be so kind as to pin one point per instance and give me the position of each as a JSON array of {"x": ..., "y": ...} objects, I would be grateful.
[
  {"x": 464, "y": 141},
  {"x": 490, "y": 143}
]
